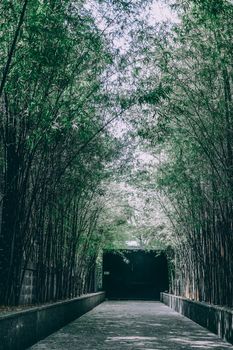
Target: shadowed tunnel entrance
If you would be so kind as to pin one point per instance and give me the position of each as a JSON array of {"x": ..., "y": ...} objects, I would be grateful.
[{"x": 134, "y": 274}]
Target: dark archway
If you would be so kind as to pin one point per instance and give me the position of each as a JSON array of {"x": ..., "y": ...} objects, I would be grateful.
[{"x": 134, "y": 274}]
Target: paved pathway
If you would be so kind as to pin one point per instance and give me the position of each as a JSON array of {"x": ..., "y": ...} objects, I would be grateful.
[{"x": 132, "y": 325}]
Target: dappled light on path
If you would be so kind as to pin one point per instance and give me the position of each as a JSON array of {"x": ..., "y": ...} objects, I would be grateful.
[
  {"x": 132, "y": 325},
  {"x": 144, "y": 342}
]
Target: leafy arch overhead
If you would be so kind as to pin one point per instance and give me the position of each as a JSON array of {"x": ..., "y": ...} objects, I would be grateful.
[{"x": 116, "y": 126}]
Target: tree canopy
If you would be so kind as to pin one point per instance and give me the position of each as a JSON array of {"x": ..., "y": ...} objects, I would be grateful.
[{"x": 115, "y": 128}]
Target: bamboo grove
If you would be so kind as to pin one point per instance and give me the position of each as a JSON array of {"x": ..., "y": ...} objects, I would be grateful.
[
  {"x": 192, "y": 130},
  {"x": 56, "y": 154},
  {"x": 52, "y": 58}
]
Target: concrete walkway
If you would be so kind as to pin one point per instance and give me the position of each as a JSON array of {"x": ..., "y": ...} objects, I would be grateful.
[{"x": 132, "y": 325}]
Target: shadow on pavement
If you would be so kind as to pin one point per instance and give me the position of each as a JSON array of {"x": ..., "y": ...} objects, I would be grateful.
[{"x": 132, "y": 325}]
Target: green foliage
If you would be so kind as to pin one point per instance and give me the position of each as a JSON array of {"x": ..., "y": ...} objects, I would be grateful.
[
  {"x": 155, "y": 96},
  {"x": 59, "y": 153},
  {"x": 190, "y": 129},
  {"x": 65, "y": 80}
]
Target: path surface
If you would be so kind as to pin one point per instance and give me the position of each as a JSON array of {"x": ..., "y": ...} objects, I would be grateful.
[{"x": 132, "y": 325}]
